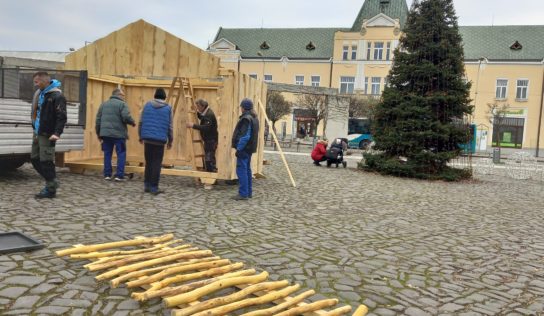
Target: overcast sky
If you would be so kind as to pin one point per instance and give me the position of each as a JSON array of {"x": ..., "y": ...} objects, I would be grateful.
[{"x": 58, "y": 25}]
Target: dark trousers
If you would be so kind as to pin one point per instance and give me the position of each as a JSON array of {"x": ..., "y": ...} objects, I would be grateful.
[
  {"x": 243, "y": 171},
  {"x": 120, "y": 149},
  {"x": 42, "y": 158},
  {"x": 209, "y": 155},
  {"x": 153, "y": 162},
  {"x": 320, "y": 160}
]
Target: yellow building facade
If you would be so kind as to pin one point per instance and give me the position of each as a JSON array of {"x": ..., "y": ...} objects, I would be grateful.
[{"x": 504, "y": 63}]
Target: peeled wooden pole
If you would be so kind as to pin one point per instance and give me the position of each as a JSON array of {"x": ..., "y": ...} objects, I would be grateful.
[
  {"x": 267, "y": 298},
  {"x": 277, "y": 143},
  {"x": 362, "y": 310},
  {"x": 213, "y": 287},
  {"x": 104, "y": 260},
  {"x": 224, "y": 300},
  {"x": 139, "y": 257},
  {"x": 339, "y": 311},
  {"x": 115, "y": 244},
  {"x": 136, "y": 274},
  {"x": 191, "y": 267},
  {"x": 309, "y": 307},
  {"x": 197, "y": 275},
  {"x": 93, "y": 255},
  {"x": 170, "y": 291},
  {"x": 290, "y": 302},
  {"x": 148, "y": 263}
]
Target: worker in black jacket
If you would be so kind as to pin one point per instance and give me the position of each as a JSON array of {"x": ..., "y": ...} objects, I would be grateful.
[
  {"x": 208, "y": 132},
  {"x": 48, "y": 120}
]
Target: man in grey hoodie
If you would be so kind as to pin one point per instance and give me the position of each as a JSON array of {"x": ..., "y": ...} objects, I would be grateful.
[{"x": 111, "y": 128}]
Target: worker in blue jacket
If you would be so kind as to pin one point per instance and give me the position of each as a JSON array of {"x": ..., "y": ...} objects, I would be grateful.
[{"x": 244, "y": 140}]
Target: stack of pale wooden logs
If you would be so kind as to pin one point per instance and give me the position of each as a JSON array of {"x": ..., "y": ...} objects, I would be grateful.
[{"x": 182, "y": 275}]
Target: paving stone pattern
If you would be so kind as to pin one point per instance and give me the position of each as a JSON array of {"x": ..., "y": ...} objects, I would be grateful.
[{"x": 402, "y": 247}]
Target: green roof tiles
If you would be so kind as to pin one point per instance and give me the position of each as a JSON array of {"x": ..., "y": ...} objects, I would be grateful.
[
  {"x": 493, "y": 42},
  {"x": 395, "y": 9},
  {"x": 283, "y": 42}
]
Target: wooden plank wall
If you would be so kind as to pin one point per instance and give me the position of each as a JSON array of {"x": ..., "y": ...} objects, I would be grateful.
[
  {"x": 237, "y": 87},
  {"x": 224, "y": 99},
  {"x": 142, "y": 49}
]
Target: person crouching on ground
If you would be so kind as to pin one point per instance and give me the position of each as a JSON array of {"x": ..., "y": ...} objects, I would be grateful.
[
  {"x": 155, "y": 131},
  {"x": 319, "y": 152},
  {"x": 244, "y": 140},
  {"x": 208, "y": 132}
]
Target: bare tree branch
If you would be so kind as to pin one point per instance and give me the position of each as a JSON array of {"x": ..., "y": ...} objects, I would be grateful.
[
  {"x": 361, "y": 106},
  {"x": 276, "y": 106},
  {"x": 496, "y": 115},
  {"x": 315, "y": 104}
]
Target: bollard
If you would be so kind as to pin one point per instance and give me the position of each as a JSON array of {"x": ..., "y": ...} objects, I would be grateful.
[{"x": 497, "y": 155}]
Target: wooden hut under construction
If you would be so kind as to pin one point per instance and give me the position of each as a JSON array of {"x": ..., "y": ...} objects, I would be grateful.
[{"x": 141, "y": 57}]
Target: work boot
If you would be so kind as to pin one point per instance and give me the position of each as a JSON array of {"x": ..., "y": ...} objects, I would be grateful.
[
  {"x": 239, "y": 198},
  {"x": 155, "y": 190},
  {"x": 45, "y": 194}
]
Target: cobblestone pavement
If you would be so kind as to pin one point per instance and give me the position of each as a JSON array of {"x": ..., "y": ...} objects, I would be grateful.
[{"x": 399, "y": 246}]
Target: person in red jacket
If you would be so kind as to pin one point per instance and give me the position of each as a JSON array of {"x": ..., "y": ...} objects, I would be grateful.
[{"x": 318, "y": 153}]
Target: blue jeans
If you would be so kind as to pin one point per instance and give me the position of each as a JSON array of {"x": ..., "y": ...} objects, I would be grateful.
[
  {"x": 243, "y": 171},
  {"x": 120, "y": 149}
]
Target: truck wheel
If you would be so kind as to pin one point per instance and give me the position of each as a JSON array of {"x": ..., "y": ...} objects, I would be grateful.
[
  {"x": 10, "y": 164},
  {"x": 364, "y": 144}
]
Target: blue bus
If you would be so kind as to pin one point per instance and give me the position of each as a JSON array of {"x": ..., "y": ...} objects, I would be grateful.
[{"x": 359, "y": 135}]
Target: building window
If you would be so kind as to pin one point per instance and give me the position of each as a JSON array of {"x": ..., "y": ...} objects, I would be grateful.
[
  {"x": 376, "y": 85},
  {"x": 268, "y": 78},
  {"x": 366, "y": 85},
  {"x": 299, "y": 80},
  {"x": 368, "y": 47},
  {"x": 521, "y": 91},
  {"x": 316, "y": 80},
  {"x": 388, "y": 51},
  {"x": 378, "y": 51},
  {"x": 500, "y": 91},
  {"x": 345, "y": 51},
  {"x": 354, "y": 52},
  {"x": 509, "y": 130},
  {"x": 254, "y": 76},
  {"x": 347, "y": 84}
]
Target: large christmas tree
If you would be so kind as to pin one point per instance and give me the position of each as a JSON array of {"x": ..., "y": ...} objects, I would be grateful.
[{"x": 418, "y": 123}]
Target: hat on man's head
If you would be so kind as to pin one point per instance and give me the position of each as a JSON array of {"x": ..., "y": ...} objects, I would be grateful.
[{"x": 246, "y": 104}]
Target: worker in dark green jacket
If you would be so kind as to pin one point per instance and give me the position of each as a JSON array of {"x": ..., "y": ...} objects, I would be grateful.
[{"x": 111, "y": 128}]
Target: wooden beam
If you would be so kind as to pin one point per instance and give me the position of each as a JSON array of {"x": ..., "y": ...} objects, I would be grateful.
[
  {"x": 128, "y": 169},
  {"x": 158, "y": 82},
  {"x": 277, "y": 143}
]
